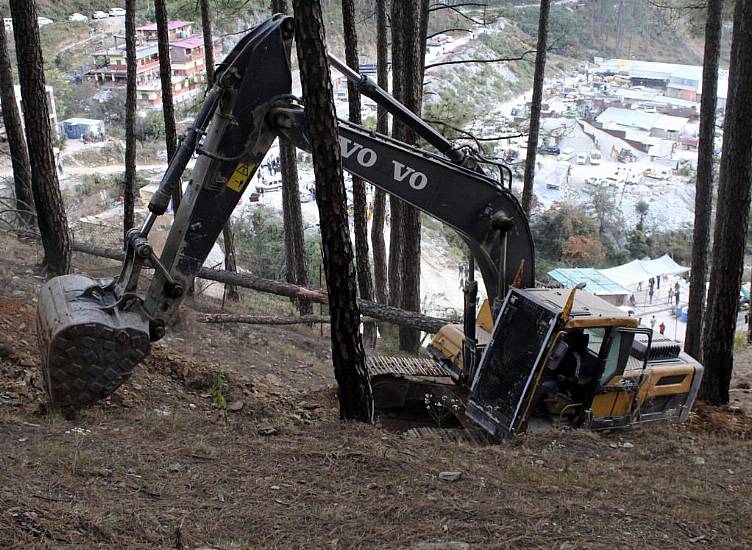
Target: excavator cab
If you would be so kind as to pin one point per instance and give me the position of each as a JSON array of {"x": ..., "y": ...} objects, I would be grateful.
[{"x": 548, "y": 364}]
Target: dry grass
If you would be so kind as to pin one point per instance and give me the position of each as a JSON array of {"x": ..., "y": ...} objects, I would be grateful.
[{"x": 158, "y": 465}]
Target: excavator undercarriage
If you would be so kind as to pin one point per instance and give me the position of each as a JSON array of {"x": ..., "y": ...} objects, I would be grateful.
[{"x": 503, "y": 365}]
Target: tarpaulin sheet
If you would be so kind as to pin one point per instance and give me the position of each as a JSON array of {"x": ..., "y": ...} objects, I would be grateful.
[{"x": 635, "y": 271}]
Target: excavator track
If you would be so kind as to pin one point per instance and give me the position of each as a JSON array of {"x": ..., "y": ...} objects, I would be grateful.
[
  {"x": 404, "y": 366},
  {"x": 476, "y": 437}
]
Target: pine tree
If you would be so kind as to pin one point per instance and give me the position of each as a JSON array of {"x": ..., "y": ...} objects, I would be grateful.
[
  {"x": 292, "y": 216},
  {"x": 535, "y": 109},
  {"x": 704, "y": 185},
  {"x": 348, "y": 356},
  {"x": 732, "y": 215},
  {"x": 360, "y": 203},
  {"x": 382, "y": 126},
  {"x": 19, "y": 154},
  {"x": 48, "y": 202},
  {"x": 129, "y": 185},
  {"x": 165, "y": 78}
]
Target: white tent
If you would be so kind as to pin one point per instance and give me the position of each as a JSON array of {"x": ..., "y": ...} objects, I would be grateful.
[{"x": 635, "y": 271}]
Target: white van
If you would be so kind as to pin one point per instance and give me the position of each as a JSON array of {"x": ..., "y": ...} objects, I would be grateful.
[
  {"x": 594, "y": 157},
  {"x": 581, "y": 158}
]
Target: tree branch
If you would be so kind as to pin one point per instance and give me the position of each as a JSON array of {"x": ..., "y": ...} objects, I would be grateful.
[
  {"x": 447, "y": 30},
  {"x": 495, "y": 60},
  {"x": 472, "y": 136},
  {"x": 440, "y": 6}
]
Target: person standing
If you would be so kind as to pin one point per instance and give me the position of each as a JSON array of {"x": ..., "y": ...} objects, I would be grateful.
[
  {"x": 676, "y": 295},
  {"x": 653, "y": 321},
  {"x": 670, "y": 294},
  {"x": 662, "y": 328},
  {"x": 650, "y": 294}
]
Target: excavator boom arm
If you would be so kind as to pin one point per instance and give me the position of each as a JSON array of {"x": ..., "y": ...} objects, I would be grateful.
[{"x": 255, "y": 107}]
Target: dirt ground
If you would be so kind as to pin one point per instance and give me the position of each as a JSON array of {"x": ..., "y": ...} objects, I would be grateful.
[{"x": 159, "y": 465}]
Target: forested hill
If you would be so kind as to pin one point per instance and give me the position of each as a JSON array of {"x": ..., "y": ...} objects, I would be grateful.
[{"x": 579, "y": 29}]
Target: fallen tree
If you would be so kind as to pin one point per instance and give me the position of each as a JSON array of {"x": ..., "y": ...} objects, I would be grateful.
[{"x": 381, "y": 312}]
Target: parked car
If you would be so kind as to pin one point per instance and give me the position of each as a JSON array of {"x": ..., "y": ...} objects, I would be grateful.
[
  {"x": 659, "y": 173},
  {"x": 633, "y": 178},
  {"x": 594, "y": 181},
  {"x": 551, "y": 150},
  {"x": 594, "y": 156},
  {"x": 117, "y": 12},
  {"x": 99, "y": 15},
  {"x": 77, "y": 17},
  {"x": 581, "y": 158},
  {"x": 566, "y": 154},
  {"x": 42, "y": 21}
]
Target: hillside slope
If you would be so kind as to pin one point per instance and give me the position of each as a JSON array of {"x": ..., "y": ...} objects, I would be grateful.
[{"x": 160, "y": 465}]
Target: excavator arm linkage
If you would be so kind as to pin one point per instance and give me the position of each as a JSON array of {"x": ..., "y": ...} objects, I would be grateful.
[{"x": 94, "y": 332}]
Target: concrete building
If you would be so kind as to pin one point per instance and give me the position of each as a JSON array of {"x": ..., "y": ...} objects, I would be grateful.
[
  {"x": 50, "y": 104},
  {"x": 677, "y": 81},
  {"x": 187, "y": 63},
  {"x": 175, "y": 31}
]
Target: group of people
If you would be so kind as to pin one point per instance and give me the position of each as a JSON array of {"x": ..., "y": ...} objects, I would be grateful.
[{"x": 661, "y": 327}]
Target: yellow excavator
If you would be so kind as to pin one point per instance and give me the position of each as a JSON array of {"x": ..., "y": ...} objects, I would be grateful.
[{"x": 530, "y": 359}]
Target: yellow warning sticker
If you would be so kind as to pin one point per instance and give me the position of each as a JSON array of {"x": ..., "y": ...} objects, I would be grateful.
[{"x": 240, "y": 176}]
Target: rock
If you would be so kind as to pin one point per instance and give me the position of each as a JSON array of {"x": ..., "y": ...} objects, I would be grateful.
[
  {"x": 627, "y": 445},
  {"x": 235, "y": 406},
  {"x": 267, "y": 430},
  {"x": 698, "y": 460},
  {"x": 309, "y": 406},
  {"x": 175, "y": 467},
  {"x": 450, "y": 476},
  {"x": 138, "y": 387},
  {"x": 539, "y": 462},
  {"x": 567, "y": 546}
]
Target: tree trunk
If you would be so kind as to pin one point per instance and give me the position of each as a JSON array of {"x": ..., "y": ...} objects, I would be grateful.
[
  {"x": 360, "y": 202},
  {"x": 348, "y": 357},
  {"x": 230, "y": 292},
  {"x": 231, "y": 264},
  {"x": 129, "y": 185},
  {"x": 619, "y": 34},
  {"x": 395, "y": 204},
  {"x": 296, "y": 263},
  {"x": 206, "y": 29},
  {"x": 413, "y": 46},
  {"x": 535, "y": 109},
  {"x": 382, "y": 126},
  {"x": 165, "y": 77},
  {"x": 19, "y": 154},
  {"x": 245, "y": 280},
  {"x": 731, "y": 217},
  {"x": 51, "y": 218},
  {"x": 704, "y": 185}
]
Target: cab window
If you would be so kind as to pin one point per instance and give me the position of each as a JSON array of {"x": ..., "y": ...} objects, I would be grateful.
[
  {"x": 618, "y": 353},
  {"x": 595, "y": 335}
]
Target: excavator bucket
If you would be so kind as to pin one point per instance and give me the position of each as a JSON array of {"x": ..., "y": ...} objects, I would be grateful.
[{"x": 89, "y": 346}]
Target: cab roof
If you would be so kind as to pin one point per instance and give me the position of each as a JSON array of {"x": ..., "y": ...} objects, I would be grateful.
[{"x": 587, "y": 307}]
